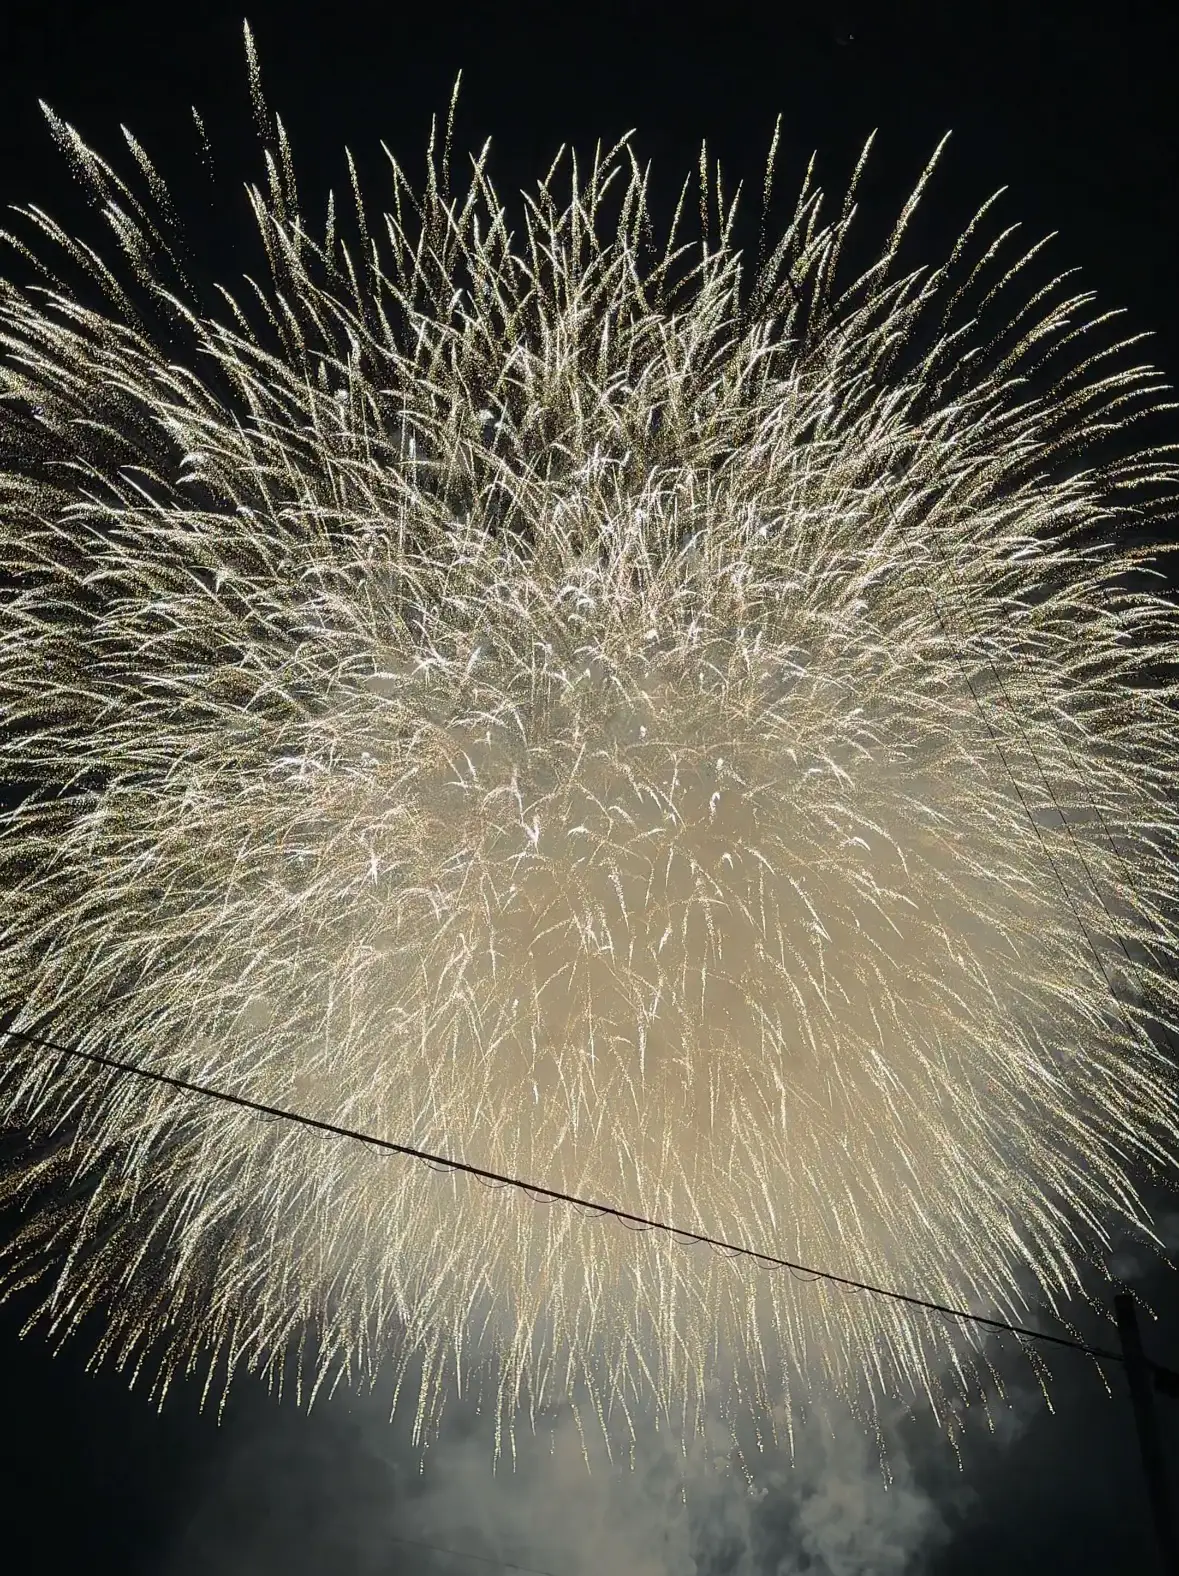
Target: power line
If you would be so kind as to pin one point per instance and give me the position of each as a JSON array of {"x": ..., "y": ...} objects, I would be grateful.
[
  {"x": 461, "y": 1554},
  {"x": 533, "y": 1189},
  {"x": 1002, "y": 754},
  {"x": 1066, "y": 824},
  {"x": 1164, "y": 1378}
]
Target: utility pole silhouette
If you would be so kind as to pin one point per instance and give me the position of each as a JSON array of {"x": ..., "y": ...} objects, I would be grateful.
[{"x": 1144, "y": 1377}]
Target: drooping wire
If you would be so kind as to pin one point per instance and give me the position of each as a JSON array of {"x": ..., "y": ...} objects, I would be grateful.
[
  {"x": 539, "y": 1192},
  {"x": 461, "y": 1554},
  {"x": 1002, "y": 754},
  {"x": 963, "y": 606}
]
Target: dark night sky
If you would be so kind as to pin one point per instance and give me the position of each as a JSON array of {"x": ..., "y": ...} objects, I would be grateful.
[{"x": 1074, "y": 108}]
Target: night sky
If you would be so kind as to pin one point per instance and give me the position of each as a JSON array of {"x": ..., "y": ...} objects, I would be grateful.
[{"x": 1075, "y": 109}]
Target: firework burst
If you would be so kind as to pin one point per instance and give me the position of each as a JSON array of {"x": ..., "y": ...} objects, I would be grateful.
[{"x": 682, "y": 734}]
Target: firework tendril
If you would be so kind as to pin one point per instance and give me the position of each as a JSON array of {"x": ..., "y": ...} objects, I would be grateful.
[{"x": 696, "y": 735}]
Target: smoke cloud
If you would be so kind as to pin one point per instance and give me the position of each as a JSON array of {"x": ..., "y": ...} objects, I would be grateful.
[{"x": 343, "y": 1490}]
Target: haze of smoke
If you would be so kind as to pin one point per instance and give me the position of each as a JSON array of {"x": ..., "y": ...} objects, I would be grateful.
[{"x": 344, "y": 1492}]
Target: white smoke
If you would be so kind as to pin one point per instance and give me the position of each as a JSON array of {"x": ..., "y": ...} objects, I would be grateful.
[{"x": 341, "y": 1490}]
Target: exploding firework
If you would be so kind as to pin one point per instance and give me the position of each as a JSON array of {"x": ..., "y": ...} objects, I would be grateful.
[{"x": 688, "y": 735}]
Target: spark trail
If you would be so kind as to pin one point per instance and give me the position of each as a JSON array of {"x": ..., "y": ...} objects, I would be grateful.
[{"x": 690, "y": 735}]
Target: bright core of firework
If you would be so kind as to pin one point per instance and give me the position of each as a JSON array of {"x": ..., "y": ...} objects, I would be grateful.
[{"x": 681, "y": 736}]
